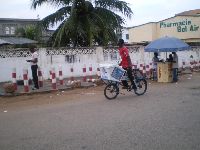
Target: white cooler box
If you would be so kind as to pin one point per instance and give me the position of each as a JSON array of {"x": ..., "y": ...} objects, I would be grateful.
[{"x": 111, "y": 72}]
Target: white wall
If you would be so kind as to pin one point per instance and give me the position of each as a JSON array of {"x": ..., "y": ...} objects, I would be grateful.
[
  {"x": 124, "y": 32},
  {"x": 17, "y": 59}
]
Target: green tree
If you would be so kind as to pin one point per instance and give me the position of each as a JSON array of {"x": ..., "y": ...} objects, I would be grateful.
[
  {"x": 84, "y": 23},
  {"x": 31, "y": 32}
]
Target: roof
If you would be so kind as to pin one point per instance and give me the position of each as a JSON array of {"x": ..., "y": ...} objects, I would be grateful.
[
  {"x": 141, "y": 25},
  {"x": 195, "y": 12},
  {"x": 17, "y": 19},
  {"x": 17, "y": 40},
  {"x": 2, "y": 42}
]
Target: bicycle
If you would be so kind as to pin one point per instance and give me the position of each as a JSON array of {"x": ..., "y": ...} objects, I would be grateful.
[{"x": 111, "y": 90}]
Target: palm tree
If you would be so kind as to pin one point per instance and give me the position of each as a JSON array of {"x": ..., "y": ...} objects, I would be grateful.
[{"x": 84, "y": 23}]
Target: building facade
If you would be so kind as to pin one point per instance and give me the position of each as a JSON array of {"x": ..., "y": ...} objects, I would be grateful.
[
  {"x": 8, "y": 26},
  {"x": 185, "y": 26},
  {"x": 125, "y": 35}
]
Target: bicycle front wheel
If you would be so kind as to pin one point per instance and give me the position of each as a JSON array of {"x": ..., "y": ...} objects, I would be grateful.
[
  {"x": 141, "y": 85},
  {"x": 111, "y": 91}
]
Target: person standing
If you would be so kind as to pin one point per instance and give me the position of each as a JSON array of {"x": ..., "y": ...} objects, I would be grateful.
[
  {"x": 155, "y": 60},
  {"x": 170, "y": 59},
  {"x": 175, "y": 67},
  {"x": 126, "y": 64},
  {"x": 34, "y": 67}
]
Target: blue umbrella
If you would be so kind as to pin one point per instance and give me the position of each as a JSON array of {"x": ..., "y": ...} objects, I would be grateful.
[{"x": 166, "y": 44}]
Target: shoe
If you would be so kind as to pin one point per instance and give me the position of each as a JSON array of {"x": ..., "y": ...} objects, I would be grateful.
[
  {"x": 134, "y": 87},
  {"x": 174, "y": 81},
  {"x": 34, "y": 88}
]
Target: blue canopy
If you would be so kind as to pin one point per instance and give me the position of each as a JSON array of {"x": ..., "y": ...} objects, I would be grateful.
[{"x": 166, "y": 44}]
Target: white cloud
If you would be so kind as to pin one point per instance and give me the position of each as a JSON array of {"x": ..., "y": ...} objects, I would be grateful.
[
  {"x": 144, "y": 10},
  {"x": 156, "y": 10},
  {"x": 22, "y": 9}
]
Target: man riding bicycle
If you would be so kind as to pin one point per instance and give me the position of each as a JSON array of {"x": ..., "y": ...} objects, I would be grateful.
[{"x": 126, "y": 64}]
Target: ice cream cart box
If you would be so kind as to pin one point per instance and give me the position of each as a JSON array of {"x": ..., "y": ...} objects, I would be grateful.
[{"x": 111, "y": 72}]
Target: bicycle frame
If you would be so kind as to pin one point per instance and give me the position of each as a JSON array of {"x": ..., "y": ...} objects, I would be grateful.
[{"x": 112, "y": 87}]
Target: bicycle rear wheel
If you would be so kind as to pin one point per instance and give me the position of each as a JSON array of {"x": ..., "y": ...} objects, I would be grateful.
[
  {"x": 141, "y": 85},
  {"x": 111, "y": 91}
]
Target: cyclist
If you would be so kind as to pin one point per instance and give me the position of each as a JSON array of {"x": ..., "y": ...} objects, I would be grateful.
[{"x": 126, "y": 64}]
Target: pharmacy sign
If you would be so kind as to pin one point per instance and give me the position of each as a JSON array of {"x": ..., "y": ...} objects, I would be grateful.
[{"x": 181, "y": 26}]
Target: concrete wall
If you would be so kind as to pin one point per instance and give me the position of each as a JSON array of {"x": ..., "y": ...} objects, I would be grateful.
[{"x": 49, "y": 58}]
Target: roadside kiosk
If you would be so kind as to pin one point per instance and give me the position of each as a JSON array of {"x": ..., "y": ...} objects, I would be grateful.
[{"x": 166, "y": 44}]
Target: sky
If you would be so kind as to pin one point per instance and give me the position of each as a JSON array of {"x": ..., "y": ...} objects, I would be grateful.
[{"x": 144, "y": 11}]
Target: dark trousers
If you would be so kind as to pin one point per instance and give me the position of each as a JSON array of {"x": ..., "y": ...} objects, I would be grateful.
[
  {"x": 175, "y": 74},
  {"x": 130, "y": 76},
  {"x": 34, "y": 69},
  {"x": 155, "y": 74}
]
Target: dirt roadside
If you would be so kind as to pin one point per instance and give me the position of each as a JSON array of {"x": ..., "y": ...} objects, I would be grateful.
[
  {"x": 77, "y": 94},
  {"x": 56, "y": 97}
]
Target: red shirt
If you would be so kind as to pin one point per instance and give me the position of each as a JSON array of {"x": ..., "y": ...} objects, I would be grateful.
[{"x": 123, "y": 51}]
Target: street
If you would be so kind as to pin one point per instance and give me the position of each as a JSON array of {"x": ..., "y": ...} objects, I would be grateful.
[{"x": 167, "y": 117}]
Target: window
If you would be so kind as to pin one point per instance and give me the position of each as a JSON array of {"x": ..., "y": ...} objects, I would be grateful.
[
  {"x": 12, "y": 30},
  {"x": 70, "y": 58},
  {"x": 127, "y": 36},
  {"x": 7, "y": 30}
]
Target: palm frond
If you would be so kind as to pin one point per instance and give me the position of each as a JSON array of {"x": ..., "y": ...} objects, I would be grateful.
[
  {"x": 56, "y": 17},
  {"x": 116, "y": 5},
  {"x": 37, "y": 3},
  {"x": 110, "y": 17},
  {"x": 57, "y": 36}
]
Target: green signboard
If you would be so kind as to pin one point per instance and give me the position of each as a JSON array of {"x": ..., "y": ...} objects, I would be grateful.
[{"x": 181, "y": 26}]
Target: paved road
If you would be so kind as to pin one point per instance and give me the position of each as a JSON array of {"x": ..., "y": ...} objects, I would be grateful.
[{"x": 167, "y": 117}]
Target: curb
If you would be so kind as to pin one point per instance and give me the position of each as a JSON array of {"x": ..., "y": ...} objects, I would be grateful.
[
  {"x": 35, "y": 92},
  {"x": 83, "y": 85}
]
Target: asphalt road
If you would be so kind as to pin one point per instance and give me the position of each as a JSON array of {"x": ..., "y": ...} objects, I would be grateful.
[{"x": 167, "y": 117}]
